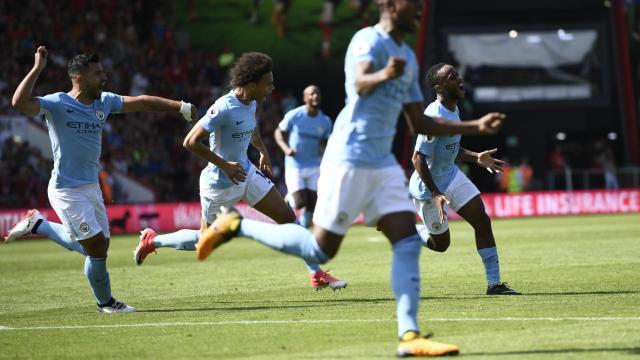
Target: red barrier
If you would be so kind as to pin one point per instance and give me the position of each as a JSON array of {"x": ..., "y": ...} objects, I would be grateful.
[{"x": 174, "y": 216}]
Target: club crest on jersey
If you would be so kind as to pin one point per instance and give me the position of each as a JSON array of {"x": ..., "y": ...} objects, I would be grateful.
[
  {"x": 214, "y": 111},
  {"x": 84, "y": 227},
  {"x": 436, "y": 226},
  {"x": 100, "y": 114}
]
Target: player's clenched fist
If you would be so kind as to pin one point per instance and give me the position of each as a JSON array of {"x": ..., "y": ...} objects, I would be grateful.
[{"x": 395, "y": 67}]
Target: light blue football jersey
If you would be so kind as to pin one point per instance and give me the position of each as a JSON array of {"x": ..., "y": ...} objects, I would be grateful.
[
  {"x": 364, "y": 130},
  {"x": 230, "y": 124},
  {"x": 305, "y": 135},
  {"x": 75, "y": 130},
  {"x": 440, "y": 154}
]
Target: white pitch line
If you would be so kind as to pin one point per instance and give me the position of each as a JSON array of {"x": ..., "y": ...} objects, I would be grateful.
[{"x": 275, "y": 322}]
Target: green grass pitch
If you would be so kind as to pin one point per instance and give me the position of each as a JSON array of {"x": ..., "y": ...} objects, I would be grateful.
[{"x": 580, "y": 277}]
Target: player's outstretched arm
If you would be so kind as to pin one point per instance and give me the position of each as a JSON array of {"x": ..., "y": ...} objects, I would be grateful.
[
  {"x": 265, "y": 160},
  {"x": 366, "y": 80},
  {"x": 482, "y": 159},
  {"x": 147, "y": 103},
  {"x": 22, "y": 99},
  {"x": 193, "y": 142},
  {"x": 420, "y": 164},
  {"x": 435, "y": 126},
  {"x": 281, "y": 139}
]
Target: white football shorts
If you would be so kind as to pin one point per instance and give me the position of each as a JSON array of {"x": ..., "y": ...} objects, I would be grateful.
[
  {"x": 345, "y": 192},
  {"x": 301, "y": 178},
  {"x": 459, "y": 192},
  {"x": 81, "y": 210},
  {"x": 252, "y": 190}
]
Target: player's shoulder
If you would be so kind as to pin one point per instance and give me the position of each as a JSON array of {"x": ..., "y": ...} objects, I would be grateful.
[
  {"x": 363, "y": 41},
  {"x": 108, "y": 96},
  {"x": 56, "y": 97},
  {"x": 433, "y": 108}
]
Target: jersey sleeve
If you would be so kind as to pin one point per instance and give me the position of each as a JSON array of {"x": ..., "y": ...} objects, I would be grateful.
[
  {"x": 48, "y": 102},
  {"x": 215, "y": 117},
  {"x": 287, "y": 123},
  {"x": 113, "y": 102},
  {"x": 361, "y": 47},
  {"x": 414, "y": 93},
  {"x": 424, "y": 144},
  {"x": 328, "y": 127}
]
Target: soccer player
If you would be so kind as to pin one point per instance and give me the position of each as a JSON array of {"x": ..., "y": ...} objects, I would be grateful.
[
  {"x": 359, "y": 173},
  {"x": 75, "y": 120},
  {"x": 437, "y": 183},
  {"x": 229, "y": 177},
  {"x": 300, "y": 135}
]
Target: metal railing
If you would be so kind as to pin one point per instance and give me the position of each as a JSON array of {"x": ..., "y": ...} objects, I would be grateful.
[{"x": 583, "y": 179}]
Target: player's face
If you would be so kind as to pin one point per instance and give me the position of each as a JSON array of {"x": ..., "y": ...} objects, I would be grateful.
[
  {"x": 407, "y": 17},
  {"x": 263, "y": 87},
  {"x": 311, "y": 96},
  {"x": 92, "y": 80},
  {"x": 452, "y": 85}
]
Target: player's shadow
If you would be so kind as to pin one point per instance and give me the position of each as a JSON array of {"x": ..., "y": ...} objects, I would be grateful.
[
  {"x": 628, "y": 350},
  {"x": 232, "y": 308},
  {"x": 613, "y": 292}
]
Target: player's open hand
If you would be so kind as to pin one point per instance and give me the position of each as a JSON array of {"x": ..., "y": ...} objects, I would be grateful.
[
  {"x": 235, "y": 172},
  {"x": 440, "y": 200},
  {"x": 494, "y": 166},
  {"x": 491, "y": 123},
  {"x": 395, "y": 67},
  {"x": 41, "y": 58},
  {"x": 265, "y": 165}
]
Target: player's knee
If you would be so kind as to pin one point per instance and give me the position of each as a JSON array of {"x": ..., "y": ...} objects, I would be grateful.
[
  {"x": 441, "y": 246},
  {"x": 483, "y": 223},
  {"x": 440, "y": 242}
]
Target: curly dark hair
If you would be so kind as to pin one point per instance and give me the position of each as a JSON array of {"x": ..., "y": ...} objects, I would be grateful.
[
  {"x": 432, "y": 75},
  {"x": 80, "y": 62},
  {"x": 249, "y": 68}
]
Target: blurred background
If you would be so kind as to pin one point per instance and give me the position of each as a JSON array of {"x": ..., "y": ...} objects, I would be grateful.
[{"x": 566, "y": 73}]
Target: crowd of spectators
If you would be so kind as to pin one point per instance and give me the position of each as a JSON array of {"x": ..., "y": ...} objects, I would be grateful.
[{"x": 143, "y": 52}]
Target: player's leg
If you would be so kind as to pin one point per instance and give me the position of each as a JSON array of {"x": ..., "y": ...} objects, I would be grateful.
[
  {"x": 465, "y": 199},
  {"x": 295, "y": 186},
  {"x": 83, "y": 214},
  {"x": 393, "y": 214},
  {"x": 274, "y": 206},
  {"x": 435, "y": 235},
  {"x": 332, "y": 219},
  {"x": 310, "y": 183}
]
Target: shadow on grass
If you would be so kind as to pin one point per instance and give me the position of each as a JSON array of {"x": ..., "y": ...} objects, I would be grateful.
[
  {"x": 628, "y": 350},
  {"x": 618, "y": 292}
]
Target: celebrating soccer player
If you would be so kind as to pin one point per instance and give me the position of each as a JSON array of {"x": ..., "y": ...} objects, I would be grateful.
[
  {"x": 75, "y": 120},
  {"x": 300, "y": 135},
  {"x": 437, "y": 182},
  {"x": 359, "y": 174},
  {"x": 229, "y": 177}
]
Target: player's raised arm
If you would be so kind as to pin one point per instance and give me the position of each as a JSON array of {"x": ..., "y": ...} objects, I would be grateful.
[
  {"x": 22, "y": 99},
  {"x": 147, "y": 103},
  {"x": 482, "y": 159},
  {"x": 366, "y": 80},
  {"x": 422, "y": 124},
  {"x": 193, "y": 142}
]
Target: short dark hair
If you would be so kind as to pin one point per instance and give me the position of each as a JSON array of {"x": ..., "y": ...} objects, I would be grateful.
[
  {"x": 432, "y": 74},
  {"x": 80, "y": 62},
  {"x": 249, "y": 68}
]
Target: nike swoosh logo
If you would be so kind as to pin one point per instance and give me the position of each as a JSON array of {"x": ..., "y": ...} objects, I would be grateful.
[{"x": 239, "y": 122}]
